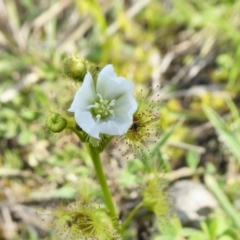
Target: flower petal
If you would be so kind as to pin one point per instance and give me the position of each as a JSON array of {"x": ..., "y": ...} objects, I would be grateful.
[
  {"x": 85, "y": 120},
  {"x": 124, "y": 109},
  {"x": 85, "y": 95},
  {"x": 110, "y": 127},
  {"x": 125, "y": 106},
  {"x": 110, "y": 86}
]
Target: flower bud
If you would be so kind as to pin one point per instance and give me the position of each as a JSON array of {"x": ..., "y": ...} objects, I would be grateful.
[
  {"x": 56, "y": 123},
  {"x": 75, "y": 68}
]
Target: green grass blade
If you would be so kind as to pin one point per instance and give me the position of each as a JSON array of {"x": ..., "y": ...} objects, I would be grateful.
[
  {"x": 222, "y": 199},
  {"x": 228, "y": 137}
]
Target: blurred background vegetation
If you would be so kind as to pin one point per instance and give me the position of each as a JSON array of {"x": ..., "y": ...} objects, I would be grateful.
[{"x": 189, "y": 48}]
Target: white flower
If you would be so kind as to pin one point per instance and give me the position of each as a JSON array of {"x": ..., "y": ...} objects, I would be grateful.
[{"x": 106, "y": 106}]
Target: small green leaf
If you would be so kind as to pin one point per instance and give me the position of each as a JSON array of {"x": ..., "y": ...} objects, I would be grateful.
[{"x": 192, "y": 159}]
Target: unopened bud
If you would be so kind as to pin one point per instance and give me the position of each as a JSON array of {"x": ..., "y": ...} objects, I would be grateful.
[
  {"x": 75, "y": 68},
  {"x": 56, "y": 123}
]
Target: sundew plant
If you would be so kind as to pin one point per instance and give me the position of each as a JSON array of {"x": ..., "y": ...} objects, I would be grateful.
[
  {"x": 106, "y": 105},
  {"x": 102, "y": 108}
]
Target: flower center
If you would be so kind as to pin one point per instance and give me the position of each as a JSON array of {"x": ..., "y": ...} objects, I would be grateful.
[{"x": 102, "y": 108}]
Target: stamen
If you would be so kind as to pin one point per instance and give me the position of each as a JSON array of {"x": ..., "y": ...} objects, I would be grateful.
[
  {"x": 98, "y": 117},
  {"x": 112, "y": 112},
  {"x": 100, "y": 96},
  {"x": 112, "y": 103},
  {"x": 95, "y": 105},
  {"x": 102, "y": 107}
]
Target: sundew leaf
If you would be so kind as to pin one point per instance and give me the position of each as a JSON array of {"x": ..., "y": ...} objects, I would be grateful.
[
  {"x": 173, "y": 229},
  {"x": 228, "y": 137}
]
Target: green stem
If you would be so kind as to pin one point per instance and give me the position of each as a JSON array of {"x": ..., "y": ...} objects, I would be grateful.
[
  {"x": 102, "y": 180},
  {"x": 78, "y": 133},
  {"x": 104, "y": 144},
  {"x": 130, "y": 217}
]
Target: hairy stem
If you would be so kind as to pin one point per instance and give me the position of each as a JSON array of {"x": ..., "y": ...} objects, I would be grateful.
[{"x": 102, "y": 180}]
